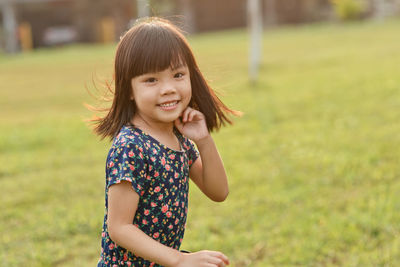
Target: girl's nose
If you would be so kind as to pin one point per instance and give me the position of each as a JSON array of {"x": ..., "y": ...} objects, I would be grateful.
[{"x": 167, "y": 88}]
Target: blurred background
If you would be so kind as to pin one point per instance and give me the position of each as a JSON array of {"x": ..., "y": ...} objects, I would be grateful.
[
  {"x": 28, "y": 24},
  {"x": 313, "y": 164}
]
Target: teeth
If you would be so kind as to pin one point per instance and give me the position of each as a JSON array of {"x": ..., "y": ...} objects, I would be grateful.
[{"x": 169, "y": 104}]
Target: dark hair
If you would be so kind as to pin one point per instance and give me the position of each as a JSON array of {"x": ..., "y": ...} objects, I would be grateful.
[{"x": 153, "y": 45}]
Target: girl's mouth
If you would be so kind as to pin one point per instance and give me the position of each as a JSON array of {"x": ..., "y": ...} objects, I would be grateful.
[{"x": 169, "y": 105}]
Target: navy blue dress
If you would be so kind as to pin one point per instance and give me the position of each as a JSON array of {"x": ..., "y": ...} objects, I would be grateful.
[{"x": 160, "y": 176}]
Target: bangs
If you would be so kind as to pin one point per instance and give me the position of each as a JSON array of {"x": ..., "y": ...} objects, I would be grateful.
[{"x": 156, "y": 49}]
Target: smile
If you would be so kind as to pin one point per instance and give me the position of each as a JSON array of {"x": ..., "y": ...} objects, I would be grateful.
[{"x": 169, "y": 105}]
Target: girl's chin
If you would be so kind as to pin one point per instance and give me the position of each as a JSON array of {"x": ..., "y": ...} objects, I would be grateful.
[
  {"x": 169, "y": 119},
  {"x": 172, "y": 115}
]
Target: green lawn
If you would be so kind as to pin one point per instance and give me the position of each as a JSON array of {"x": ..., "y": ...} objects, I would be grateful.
[{"x": 314, "y": 163}]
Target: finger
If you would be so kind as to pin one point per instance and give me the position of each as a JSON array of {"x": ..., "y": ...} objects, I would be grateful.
[
  {"x": 220, "y": 255},
  {"x": 196, "y": 115},
  {"x": 192, "y": 114},
  {"x": 216, "y": 261},
  {"x": 225, "y": 259},
  {"x": 186, "y": 113}
]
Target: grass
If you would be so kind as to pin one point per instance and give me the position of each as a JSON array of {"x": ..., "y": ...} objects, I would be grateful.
[{"x": 313, "y": 164}]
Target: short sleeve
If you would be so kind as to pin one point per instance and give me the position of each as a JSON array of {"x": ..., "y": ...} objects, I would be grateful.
[
  {"x": 191, "y": 152},
  {"x": 126, "y": 163}
]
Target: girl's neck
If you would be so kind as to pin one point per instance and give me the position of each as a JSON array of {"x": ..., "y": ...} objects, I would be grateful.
[
  {"x": 162, "y": 132},
  {"x": 152, "y": 127}
]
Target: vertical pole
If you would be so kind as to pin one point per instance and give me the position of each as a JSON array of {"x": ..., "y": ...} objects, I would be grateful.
[
  {"x": 143, "y": 8},
  {"x": 10, "y": 27},
  {"x": 255, "y": 27}
]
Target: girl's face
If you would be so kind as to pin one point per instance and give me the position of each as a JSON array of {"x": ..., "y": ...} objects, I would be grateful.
[{"x": 161, "y": 97}]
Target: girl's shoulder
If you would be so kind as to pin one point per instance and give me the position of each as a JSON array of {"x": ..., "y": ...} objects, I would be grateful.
[
  {"x": 128, "y": 143},
  {"x": 129, "y": 135}
]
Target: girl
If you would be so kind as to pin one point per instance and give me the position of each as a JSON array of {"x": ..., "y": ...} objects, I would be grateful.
[{"x": 162, "y": 106}]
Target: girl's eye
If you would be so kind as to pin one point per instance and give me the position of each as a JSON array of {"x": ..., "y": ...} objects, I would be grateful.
[
  {"x": 178, "y": 75},
  {"x": 150, "y": 80}
]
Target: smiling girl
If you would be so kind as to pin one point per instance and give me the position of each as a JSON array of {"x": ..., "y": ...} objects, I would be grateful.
[{"x": 162, "y": 109}]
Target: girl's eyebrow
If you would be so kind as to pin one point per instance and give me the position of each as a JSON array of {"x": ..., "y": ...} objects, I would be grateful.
[{"x": 181, "y": 65}]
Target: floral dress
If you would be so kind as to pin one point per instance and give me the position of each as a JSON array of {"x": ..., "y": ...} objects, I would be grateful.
[{"x": 160, "y": 176}]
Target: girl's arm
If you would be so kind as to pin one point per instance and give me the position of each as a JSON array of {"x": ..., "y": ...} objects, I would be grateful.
[
  {"x": 122, "y": 206},
  {"x": 207, "y": 171}
]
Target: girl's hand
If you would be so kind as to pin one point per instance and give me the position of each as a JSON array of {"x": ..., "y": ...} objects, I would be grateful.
[
  {"x": 192, "y": 124},
  {"x": 204, "y": 258}
]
